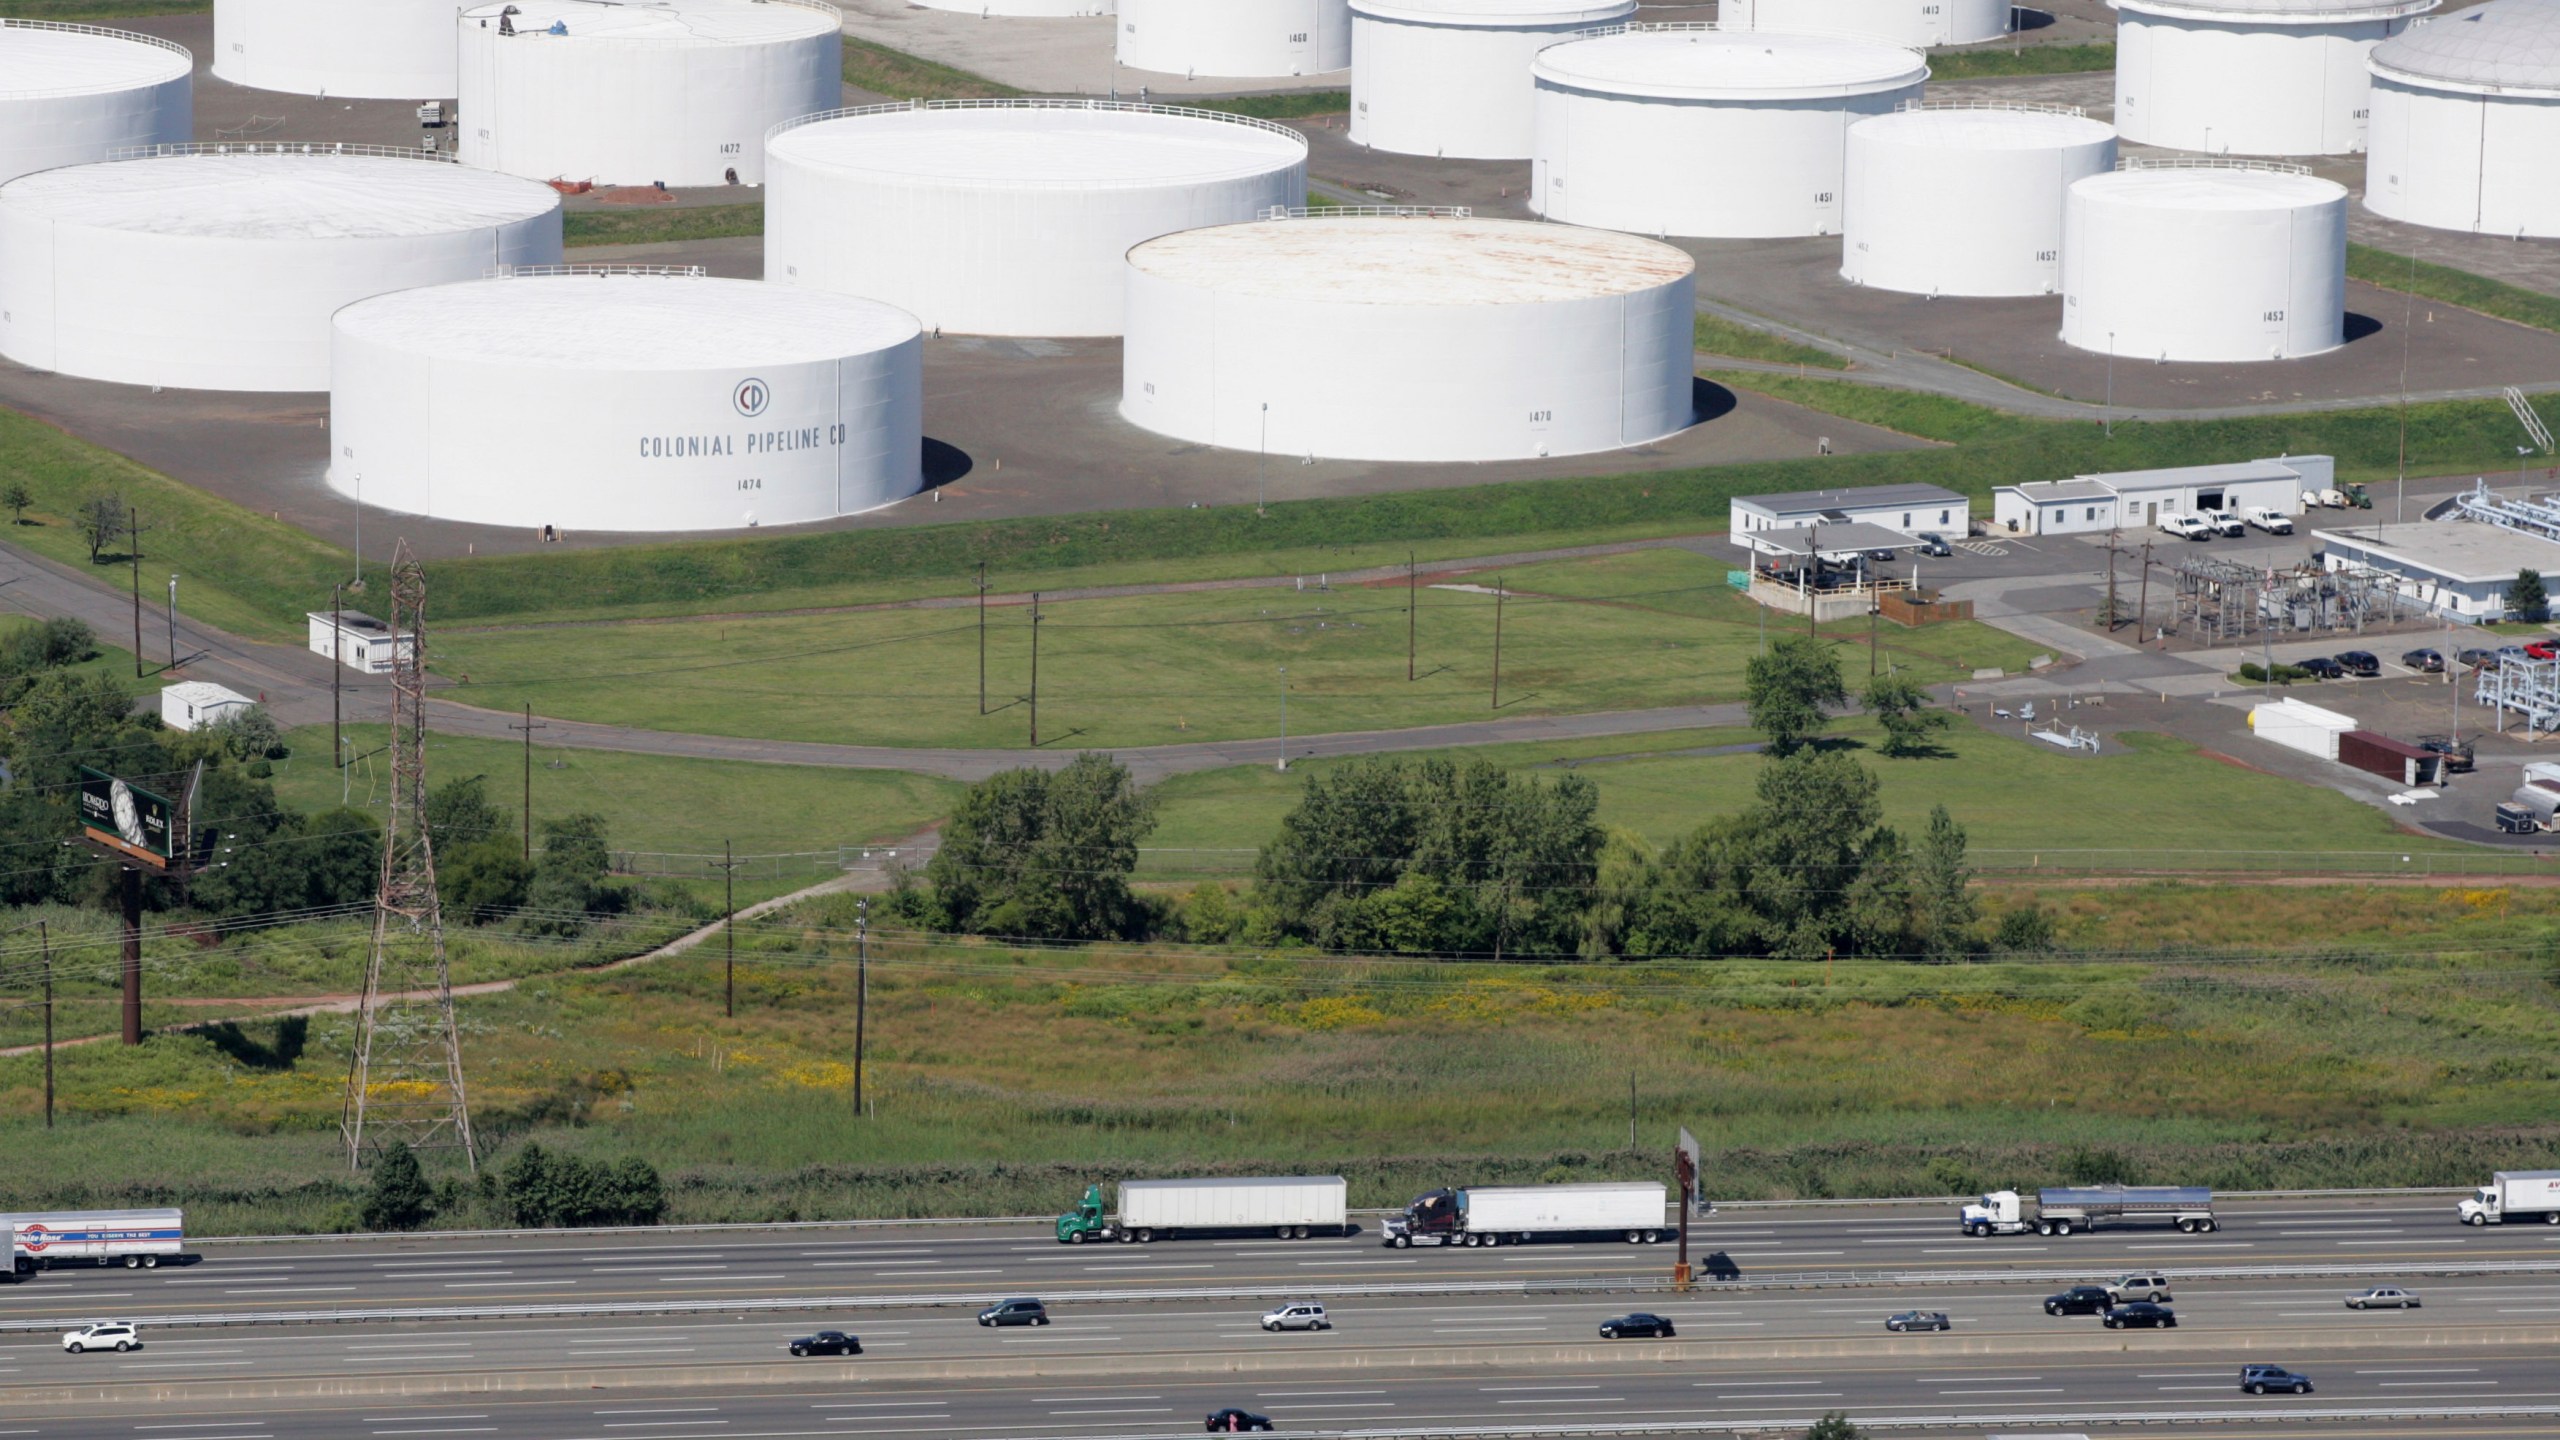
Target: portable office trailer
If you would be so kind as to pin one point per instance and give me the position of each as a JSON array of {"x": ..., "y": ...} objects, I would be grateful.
[{"x": 2297, "y": 726}]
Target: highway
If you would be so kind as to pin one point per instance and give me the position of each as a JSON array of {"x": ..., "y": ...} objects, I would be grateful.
[{"x": 885, "y": 1264}]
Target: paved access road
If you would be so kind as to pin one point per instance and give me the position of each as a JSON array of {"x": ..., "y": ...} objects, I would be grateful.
[
  {"x": 835, "y": 1400},
  {"x": 1385, "y": 1335},
  {"x": 891, "y": 1262}
]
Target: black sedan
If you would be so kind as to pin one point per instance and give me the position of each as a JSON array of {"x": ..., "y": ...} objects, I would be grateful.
[
  {"x": 2424, "y": 661},
  {"x": 827, "y": 1342},
  {"x": 2080, "y": 1300},
  {"x": 2361, "y": 663},
  {"x": 1232, "y": 1418},
  {"x": 2321, "y": 667},
  {"x": 1919, "y": 1320},
  {"x": 1933, "y": 543},
  {"x": 2142, "y": 1315},
  {"x": 1642, "y": 1325}
]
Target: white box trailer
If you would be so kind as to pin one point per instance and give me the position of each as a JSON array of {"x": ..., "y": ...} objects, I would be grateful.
[
  {"x": 1289, "y": 1206},
  {"x": 2514, "y": 1195},
  {"x": 1514, "y": 1214},
  {"x": 2297, "y": 726},
  {"x": 136, "y": 1239}
]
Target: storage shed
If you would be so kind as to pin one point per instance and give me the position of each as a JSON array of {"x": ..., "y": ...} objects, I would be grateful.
[
  {"x": 359, "y": 641},
  {"x": 194, "y": 704},
  {"x": 2397, "y": 761}
]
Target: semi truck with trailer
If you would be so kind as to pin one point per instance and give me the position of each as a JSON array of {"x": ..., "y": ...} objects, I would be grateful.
[
  {"x": 135, "y": 1239},
  {"x": 2064, "y": 1210},
  {"x": 1517, "y": 1214},
  {"x": 1290, "y": 1207},
  {"x": 2514, "y": 1195}
]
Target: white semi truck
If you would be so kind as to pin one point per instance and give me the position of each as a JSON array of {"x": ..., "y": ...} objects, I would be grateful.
[
  {"x": 1286, "y": 1206},
  {"x": 135, "y": 1239},
  {"x": 2514, "y": 1195},
  {"x": 2060, "y": 1211},
  {"x": 1516, "y": 1214}
]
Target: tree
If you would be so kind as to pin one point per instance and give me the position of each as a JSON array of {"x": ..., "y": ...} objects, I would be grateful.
[
  {"x": 17, "y": 497},
  {"x": 1902, "y": 707},
  {"x": 459, "y": 813},
  {"x": 399, "y": 1198},
  {"x": 2026, "y": 930},
  {"x": 2526, "y": 599},
  {"x": 483, "y": 881},
  {"x": 1035, "y": 853},
  {"x": 1805, "y": 872},
  {"x": 1787, "y": 691},
  {"x": 569, "y": 876},
  {"x": 102, "y": 520},
  {"x": 543, "y": 1189},
  {"x": 1835, "y": 1426},
  {"x": 249, "y": 733},
  {"x": 1942, "y": 890}
]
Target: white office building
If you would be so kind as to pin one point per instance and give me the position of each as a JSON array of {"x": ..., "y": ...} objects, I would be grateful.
[
  {"x": 1908, "y": 510},
  {"x": 2138, "y": 499}
]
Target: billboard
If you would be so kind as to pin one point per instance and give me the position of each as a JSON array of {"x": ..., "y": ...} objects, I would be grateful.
[{"x": 127, "y": 817}]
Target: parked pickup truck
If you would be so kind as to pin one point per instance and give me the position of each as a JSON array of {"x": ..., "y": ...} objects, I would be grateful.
[
  {"x": 2270, "y": 521},
  {"x": 2187, "y": 527},
  {"x": 2060, "y": 1211}
]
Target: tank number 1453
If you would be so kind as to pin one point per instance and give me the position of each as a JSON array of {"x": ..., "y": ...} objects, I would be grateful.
[{"x": 2273, "y": 316}]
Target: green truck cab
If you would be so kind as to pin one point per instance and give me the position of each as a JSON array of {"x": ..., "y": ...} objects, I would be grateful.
[{"x": 1085, "y": 1222}]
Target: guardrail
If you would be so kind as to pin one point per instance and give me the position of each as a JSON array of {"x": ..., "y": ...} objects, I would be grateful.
[
  {"x": 2038, "y": 1419},
  {"x": 1263, "y": 1294}
]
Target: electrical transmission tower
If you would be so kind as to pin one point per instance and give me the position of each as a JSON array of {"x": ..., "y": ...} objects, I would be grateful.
[{"x": 405, "y": 1079}]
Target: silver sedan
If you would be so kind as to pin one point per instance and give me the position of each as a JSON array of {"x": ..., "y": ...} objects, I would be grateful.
[{"x": 2383, "y": 1297}]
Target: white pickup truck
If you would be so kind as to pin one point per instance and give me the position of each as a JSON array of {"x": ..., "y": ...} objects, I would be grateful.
[
  {"x": 2187, "y": 527},
  {"x": 2270, "y": 521}
]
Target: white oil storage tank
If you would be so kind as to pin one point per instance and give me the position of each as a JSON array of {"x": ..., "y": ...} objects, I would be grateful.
[
  {"x": 1243, "y": 39},
  {"x": 1918, "y": 24},
  {"x": 613, "y": 398},
  {"x": 2250, "y": 77},
  {"x": 1009, "y": 217},
  {"x": 1689, "y": 130},
  {"x": 1965, "y": 199},
  {"x": 358, "y": 49},
  {"x": 2204, "y": 260},
  {"x": 2466, "y": 122},
  {"x": 1451, "y": 77},
  {"x": 70, "y": 94},
  {"x": 624, "y": 92},
  {"x": 1409, "y": 335},
  {"x": 217, "y": 267}
]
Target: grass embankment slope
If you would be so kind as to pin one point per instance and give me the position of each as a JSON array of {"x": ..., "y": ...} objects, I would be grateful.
[
  {"x": 1735, "y": 340},
  {"x": 1988, "y": 63},
  {"x": 1632, "y": 631},
  {"x": 2407, "y": 274},
  {"x": 661, "y": 224},
  {"x": 2346, "y": 1067},
  {"x": 869, "y": 65}
]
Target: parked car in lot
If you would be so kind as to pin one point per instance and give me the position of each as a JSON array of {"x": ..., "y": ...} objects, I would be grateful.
[
  {"x": 2361, "y": 663},
  {"x": 1919, "y": 1320},
  {"x": 117, "y": 1335},
  {"x": 1880, "y": 553},
  {"x": 2228, "y": 522},
  {"x": 2383, "y": 1297},
  {"x": 827, "y": 1342},
  {"x": 1305, "y": 1316},
  {"x": 2272, "y": 521},
  {"x": 1643, "y": 1324},
  {"x": 2259, "y": 1379},
  {"x": 2142, "y": 1315},
  {"x": 2479, "y": 659},
  {"x": 2186, "y": 527},
  {"x": 1015, "y": 1312},
  {"x": 1232, "y": 1418},
  {"x": 2511, "y": 655},
  {"x": 2140, "y": 1285},
  {"x": 2457, "y": 754},
  {"x": 2080, "y": 1300},
  {"x": 2322, "y": 667},
  {"x": 2547, "y": 649},
  {"x": 2424, "y": 661},
  {"x": 1933, "y": 543}
]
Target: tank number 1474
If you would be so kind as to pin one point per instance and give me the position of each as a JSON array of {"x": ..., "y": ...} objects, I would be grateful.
[{"x": 751, "y": 484}]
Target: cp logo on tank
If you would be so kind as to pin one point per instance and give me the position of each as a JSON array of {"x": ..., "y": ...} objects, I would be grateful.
[{"x": 751, "y": 397}]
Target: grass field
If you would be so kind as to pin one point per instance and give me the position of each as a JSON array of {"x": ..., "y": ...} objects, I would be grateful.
[
  {"x": 658, "y": 224},
  {"x": 1648, "y": 628},
  {"x": 1988, "y": 63},
  {"x": 901, "y": 76},
  {"x": 1735, "y": 340},
  {"x": 2273, "y": 1067},
  {"x": 1290, "y": 105},
  {"x": 649, "y": 802},
  {"x": 2454, "y": 287}
]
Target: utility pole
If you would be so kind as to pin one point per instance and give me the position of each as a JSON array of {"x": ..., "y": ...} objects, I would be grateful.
[
  {"x": 1412, "y": 611},
  {"x": 1284, "y": 717},
  {"x": 2142, "y": 615},
  {"x": 1875, "y": 607},
  {"x": 528, "y": 727},
  {"x": 982, "y": 637},
  {"x": 173, "y": 622},
  {"x": 2112, "y": 537},
  {"x": 1035, "y": 669},
  {"x": 1631, "y": 1113},
  {"x": 1497, "y": 642},
  {"x": 44, "y": 935},
  {"x": 133, "y": 547},
  {"x": 861, "y": 989},
  {"x": 337, "y": 668},
  {"x": 1813, "y": 586},
  {"x": 729, "y": 931}
]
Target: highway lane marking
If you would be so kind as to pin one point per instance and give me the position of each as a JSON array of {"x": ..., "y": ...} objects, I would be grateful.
[
  {"x": 1976, "y": 1249},
  {"x": 1121, "y": 1410},
  {"x": 2439, "y": 1384},
  {"x": 209, "y": 1425},
  {"x": 1753, "y": 1384},
  {"x": 651, "y": 1333},
  {"x": 1147, "y": 1265},
  {"x": 2181, "y": 1375},
  {"x": 1309, "y": 1394},
  {"x": 2448, "y": 1370},
  {"x": 1792, "y": 1395},
  {"x": 881, "y": 1405},
  {"x": 230, "y": 1278},
  {"x": 1086, "y": 1399},
  {"x": 501, "y": 1284},
  {"x": 2391, "y": 1244},
  {"x": 1509, "y": 1389},
  {"x": 444, "y": 1430},
  {"x": 1488, "y": 1329},
  {"x": 2225, "y": 1385},
  {"x": 416, "y": 1419},
  {"x": 291, "y": 1290},
  {"x": 644, "y": 1350},
  {"x": 415, "y": 1263},
  {"x": 436, "y": 1274},
  {"x": 1338, "y": 1264},
  {"x": 660, "y": 1269},
  {"x": 2191, "y": 1245},
  {"x": 1571, "y": 1400},
  {"x": 893, "y": 1274},
  {"x": 1054, "y": 1339},
  {"x": 1348, "y": 1405},
  {"x": 168, "y": 1364},
  {"x": 1942, "y": 1379},
  {"x": 2013, "y": 1390}
]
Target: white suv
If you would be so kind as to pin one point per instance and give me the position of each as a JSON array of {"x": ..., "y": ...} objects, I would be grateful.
[
  {"x": 1308, "y": 1316},
  {"x": 105, "y": 1335},
  {"x": 2188, "y": 527}
]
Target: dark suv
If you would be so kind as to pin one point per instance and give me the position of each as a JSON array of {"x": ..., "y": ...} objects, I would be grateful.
[
  {"x": 1014, "y": 1312},
  {"x": 2361, "y": 663},
  {"x": 2425, "y": 661},
  {"x": 2259, "y": 1379},
  {"x": 2142, "y": 1315},
  {"x": 2080, "y": 1300}
]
